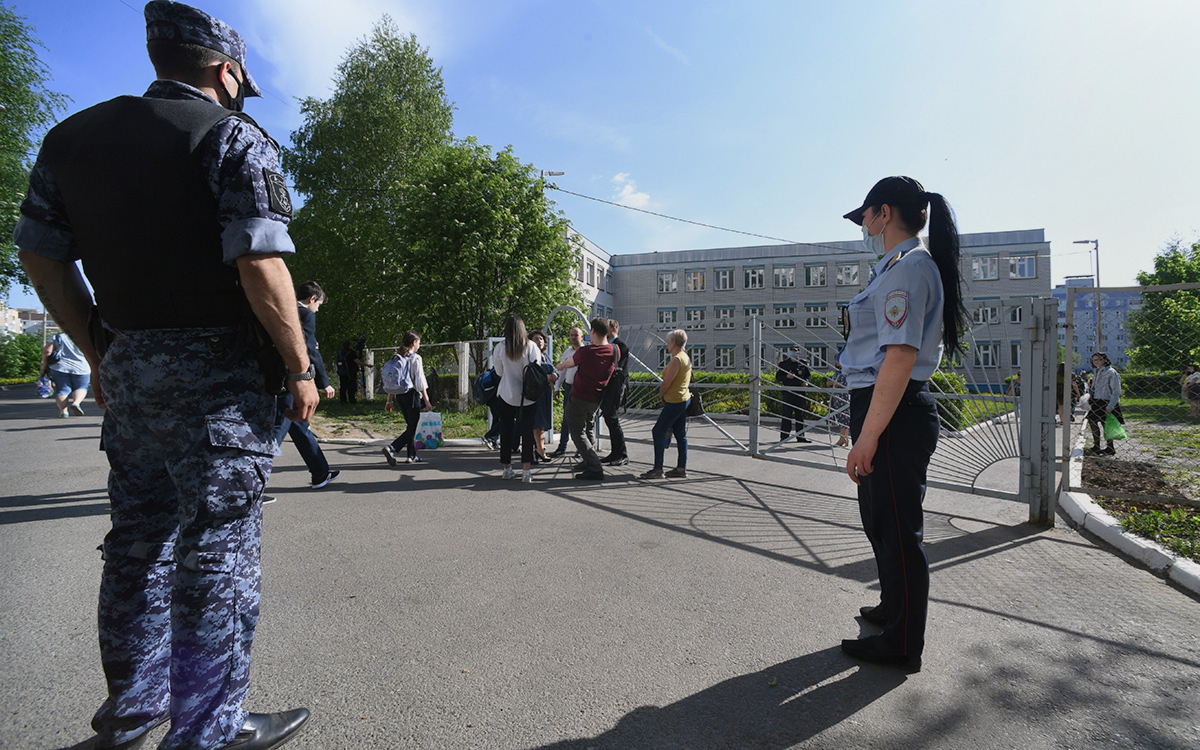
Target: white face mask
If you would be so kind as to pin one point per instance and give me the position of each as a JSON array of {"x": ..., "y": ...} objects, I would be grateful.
[{"x": 873, "y": 243}]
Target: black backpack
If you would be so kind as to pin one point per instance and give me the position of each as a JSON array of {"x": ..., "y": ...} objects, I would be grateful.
[{"x": 535, "y": 383}]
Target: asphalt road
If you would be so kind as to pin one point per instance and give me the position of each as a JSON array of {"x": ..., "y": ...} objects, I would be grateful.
[{"x": 435, "y": 606}]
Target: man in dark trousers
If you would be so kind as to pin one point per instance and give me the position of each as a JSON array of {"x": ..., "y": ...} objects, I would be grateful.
[
  {"x": 595, "y": 363},
  {"x": 611, "y": 400},
  {"x": 309, "y": 298},
  {"x": 792, "y": 372},
  {"x": 349, "y": 364},
  {"x": 174, "y": 203}
]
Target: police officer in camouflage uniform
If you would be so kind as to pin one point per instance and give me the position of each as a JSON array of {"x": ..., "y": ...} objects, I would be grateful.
[{"x": 174, "y": 203}]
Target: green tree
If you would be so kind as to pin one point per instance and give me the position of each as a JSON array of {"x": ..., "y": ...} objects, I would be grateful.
[
  {"x": 482, "y": 243},
  {"x": 352, "y": 159},
  {"x": 1165, "y": 332},
  {"x": 27, "y": 108},
  {"x": 20, "y": 355}
]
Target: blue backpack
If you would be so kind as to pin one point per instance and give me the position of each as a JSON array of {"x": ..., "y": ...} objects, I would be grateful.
[{"x": 485, "y": 386}]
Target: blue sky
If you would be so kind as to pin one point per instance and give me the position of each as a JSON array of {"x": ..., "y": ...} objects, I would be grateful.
[{"x": 768, "y": 117}]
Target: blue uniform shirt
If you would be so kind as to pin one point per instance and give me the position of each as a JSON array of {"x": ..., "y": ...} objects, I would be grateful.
[
  {"x": 902, "y": 304},
  {"x": 235, "y": 157}
]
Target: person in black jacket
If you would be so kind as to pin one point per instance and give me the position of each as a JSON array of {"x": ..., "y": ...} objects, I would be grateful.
[
  {"x": 611, "y": 402},
  {"x": 792, "y": 372},
  {"x": 309, "y": 297}
]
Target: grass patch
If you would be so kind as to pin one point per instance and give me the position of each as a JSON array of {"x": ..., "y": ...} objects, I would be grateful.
[
  {"x": 1157, "y": 409},
  {"x": 340, "y": 420},
  {"x": 17, "y": 381},
  {"x": 1174, "y": 527}
]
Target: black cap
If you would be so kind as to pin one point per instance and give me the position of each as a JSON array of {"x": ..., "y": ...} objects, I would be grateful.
[{"x": 891, "y": 190}]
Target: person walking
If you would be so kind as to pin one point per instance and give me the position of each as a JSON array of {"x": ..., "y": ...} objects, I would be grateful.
[
  {"x": 793, "y": 372},
  {"x": 407, "y": 389},
  {"x": 672, "y": 420},
  {"x": 69, "y": 370},
  {"x": 309, "y": 298},
  {"x": 565, "y": 384},
  {"x": 611, "y": 401},
  {"x": 596, "y": 363},
  {"x": 510, "y": 358},
  {"x": 174, "y": 203},
  {"x": 899, "y": 326},
  {"x": 1105, "y": 392}
]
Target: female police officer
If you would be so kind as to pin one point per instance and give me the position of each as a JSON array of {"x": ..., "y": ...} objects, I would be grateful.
[{"x": 897, "y": 328}]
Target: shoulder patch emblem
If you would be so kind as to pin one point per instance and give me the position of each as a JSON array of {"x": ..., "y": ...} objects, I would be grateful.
[
  {"x": 895, "y": 308},
  {"x": 278, "y": 198}
]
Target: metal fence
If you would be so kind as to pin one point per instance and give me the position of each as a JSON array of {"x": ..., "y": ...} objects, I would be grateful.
[{"x": 1151, "y": 335}]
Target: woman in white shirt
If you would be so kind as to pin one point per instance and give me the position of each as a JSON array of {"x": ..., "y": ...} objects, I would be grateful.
[
  {"x": 509, "y": 358},
  {"x": 409, "y": 401}
]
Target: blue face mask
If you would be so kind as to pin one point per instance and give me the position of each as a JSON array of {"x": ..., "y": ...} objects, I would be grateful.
[{"x": 872, "y": 243}]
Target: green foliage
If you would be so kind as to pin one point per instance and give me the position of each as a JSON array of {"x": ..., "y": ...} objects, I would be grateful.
[
  {"x": 354, "y": 157},
  {"x": 20, "y": 356},
  {"x": 1149, "y": 384},
  {"x": 26, "y": 109},
  {"x": 482, "y": 243},
  {"x": 1165, "y": 333},
  {"x": 1177, "y": 529}
]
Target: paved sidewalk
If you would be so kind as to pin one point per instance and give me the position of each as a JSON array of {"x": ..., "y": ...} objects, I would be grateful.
[{"x": 435, "y": 606}]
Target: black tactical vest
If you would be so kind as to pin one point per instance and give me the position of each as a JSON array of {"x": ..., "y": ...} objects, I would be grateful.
[{"x": 142, "y": 214}]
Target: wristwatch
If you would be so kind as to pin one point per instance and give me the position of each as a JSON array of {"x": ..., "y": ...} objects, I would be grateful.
[{"x": 308, "y": 374}]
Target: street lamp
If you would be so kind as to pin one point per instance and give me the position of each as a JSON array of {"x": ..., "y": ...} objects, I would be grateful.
[
  {"x": 546, "y": 174},
  {"x": 1096, "y": 247}
]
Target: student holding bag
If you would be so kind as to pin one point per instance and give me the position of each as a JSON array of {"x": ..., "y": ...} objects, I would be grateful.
[
  {"x": 406, "y": 388},
  {"x": 510, "y": 358}
]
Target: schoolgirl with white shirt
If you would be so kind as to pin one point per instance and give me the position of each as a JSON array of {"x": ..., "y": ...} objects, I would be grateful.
[{"x": 511, "y": 406}]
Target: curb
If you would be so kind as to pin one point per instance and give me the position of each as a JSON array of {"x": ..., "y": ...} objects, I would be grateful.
[{"x": 1085, "y": 513}]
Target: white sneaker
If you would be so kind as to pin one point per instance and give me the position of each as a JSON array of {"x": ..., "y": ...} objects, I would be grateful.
[
  {"x": 508, "y": 473},
  {"x": 527, "y": 476}
]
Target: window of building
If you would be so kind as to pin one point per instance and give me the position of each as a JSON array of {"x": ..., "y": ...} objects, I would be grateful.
[
  {"x": 591, "y": 273},
  {"x": 724, "y": 317},
  {"x": 693, "y": 281},
  {"x": 1014, "y": 314},
  {"x": 1014, "y": 353},
  {"x": 608, "y": 281},
  {"x": 699, "y": 357},
  {"x": 666, "y": 282},
  {"x": 693, "y": 318},
  {"x": 724, "y": 358},
  {"x": 762, "y": 355},
  {"x": 754, "y": 278},
  {"x": 987, "y": 315},
  {"x": 664, "y": 357},
  {"x": 724, "y": 279},
  {"x": 986, "y": 354},
  {"x": 785, "y": 278},
  {"x": 847, "y": 275},
  {"x": 668, "y": 318},
  {"x": 954, "y": 358},
  {"x": 815, "y": 315},
  {"x": 579, "y": 273},
  {"x": 814, "y": 275},
  {"x": 985, "y": 269},
  {"x": 751, "y": 310},
  {"x": 818, "y": 355},
  {"x": 1022, "y": 267},
  {"x": 785, "y": 316}
]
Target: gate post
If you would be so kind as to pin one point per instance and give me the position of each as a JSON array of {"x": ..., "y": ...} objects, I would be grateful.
[
  {"x": 462, "y": 351},
  {"x": 369, "y": 373},
  {"x": 1036, "y": 409},
  {"x": 755, "y": 381}
]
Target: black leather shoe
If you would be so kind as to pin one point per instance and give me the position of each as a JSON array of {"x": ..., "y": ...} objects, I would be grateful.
[
  {"x": 802, "y": 439},
  {"x": 868, "y": 649},
  {"x": 559, "y": 451},
  {"x": 872, "y": 615},
  {"x": 93, "y": 743},
  {"x": 265, "y": 731},
  {"x": 614, "y": 460}
]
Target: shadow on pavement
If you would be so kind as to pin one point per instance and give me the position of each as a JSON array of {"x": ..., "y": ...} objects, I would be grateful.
[
  {"x": 777, "y": 707},
  {"x": 25, "y": 508}
]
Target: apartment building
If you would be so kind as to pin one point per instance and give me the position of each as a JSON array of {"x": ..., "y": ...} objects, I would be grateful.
[{"x": 797, "y": 290}]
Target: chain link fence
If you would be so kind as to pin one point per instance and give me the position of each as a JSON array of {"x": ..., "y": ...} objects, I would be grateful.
[{"x": 1151, "y": 337}]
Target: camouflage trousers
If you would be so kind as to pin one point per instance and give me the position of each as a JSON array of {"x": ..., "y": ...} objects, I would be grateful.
[{"x": 188, "y": 433}]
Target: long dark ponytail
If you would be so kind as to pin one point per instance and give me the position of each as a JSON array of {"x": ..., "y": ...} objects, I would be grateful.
[{"x": 943, "y": 246}]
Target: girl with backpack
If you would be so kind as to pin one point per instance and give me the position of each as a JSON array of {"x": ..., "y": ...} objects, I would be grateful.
[
  {"x": 510, "y": 358},
  {"x": 405, "y": 385}
]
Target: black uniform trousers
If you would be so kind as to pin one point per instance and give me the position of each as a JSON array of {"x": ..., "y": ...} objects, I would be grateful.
[{"x": 889, "y": 502}]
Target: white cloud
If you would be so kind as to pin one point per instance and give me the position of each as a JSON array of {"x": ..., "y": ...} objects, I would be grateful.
[
  {"x": 305, "y": 40},
  {"x": 626, "y": 192},
  {"x": 661, "y": 44}
]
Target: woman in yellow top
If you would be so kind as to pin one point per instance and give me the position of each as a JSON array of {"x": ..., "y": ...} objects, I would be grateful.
[{"x": 673, "y": 419}]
